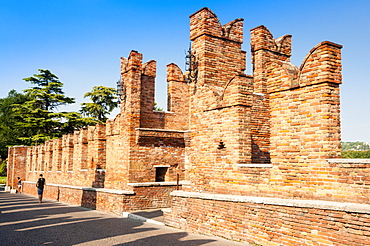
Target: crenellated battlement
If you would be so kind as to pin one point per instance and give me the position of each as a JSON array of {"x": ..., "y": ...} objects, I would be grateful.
[
  {"x": 262, "y": 39},
  {"x": 322, "y": 64},
  {"x": 236, "y": 140},
  {"x": 274, "y": 72},
  {"x": 133, "y": 62},
  {"x": 205, "y": 22}
]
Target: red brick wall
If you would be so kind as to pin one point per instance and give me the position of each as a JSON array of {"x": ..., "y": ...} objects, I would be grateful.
[
  {"x": 262, "y": 223},
  {"x": 17, "y": 165},
  {"x": 268, "y": 135},
  {"x": 112, "y": 201},
  {"x": 126, "y": 150},
  {"x": 288, "y": 128}
]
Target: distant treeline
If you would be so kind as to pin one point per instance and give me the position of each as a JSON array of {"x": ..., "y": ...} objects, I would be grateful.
[
  {"x": 356, "y": 154},
  {"x": 355, "y": 150}
]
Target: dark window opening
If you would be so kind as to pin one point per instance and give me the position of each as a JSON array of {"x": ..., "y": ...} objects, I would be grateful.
[{"x": 160, "y": 174}]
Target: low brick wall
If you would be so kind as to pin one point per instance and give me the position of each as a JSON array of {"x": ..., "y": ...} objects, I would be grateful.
[
  {"x": 151, "y": 195},
  {"x": 270, "y": 221},
  {"x": 143, "y": 196}
]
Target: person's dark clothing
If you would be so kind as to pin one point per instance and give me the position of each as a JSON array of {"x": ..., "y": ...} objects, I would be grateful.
[{"x": 40, "y": 183}]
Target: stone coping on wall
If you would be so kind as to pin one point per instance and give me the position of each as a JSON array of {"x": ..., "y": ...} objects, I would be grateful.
[
  {"x": 316, "y": 204},
  {"x": 163, "y": 112},
  {"x": 104, "y": 190},
  {"x": 161, "y": 130},
  {"x": 349, "y": 161},
  {"x": 145, "y": 184},
  {"x": 263, "y": 165}
]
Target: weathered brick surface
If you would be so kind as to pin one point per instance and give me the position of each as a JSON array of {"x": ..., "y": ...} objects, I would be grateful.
[
  {"x": 128, "y": 149},
  {"x": 16, "y": 165},
  {"x": 270, "y": 224},
  {"x": 277, "y": 145},
  {"x": 141, "y": 197},
  {"x": 272, "y": 134}
]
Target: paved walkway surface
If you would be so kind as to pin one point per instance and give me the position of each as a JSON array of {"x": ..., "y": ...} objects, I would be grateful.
[{"x": 24, "y": 221}]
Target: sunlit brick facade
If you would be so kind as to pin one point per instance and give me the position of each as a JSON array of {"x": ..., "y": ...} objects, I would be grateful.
[{"x": 257, "y": 156}]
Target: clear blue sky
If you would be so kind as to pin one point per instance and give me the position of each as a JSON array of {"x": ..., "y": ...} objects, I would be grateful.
[{"x": 81, "y": 41}]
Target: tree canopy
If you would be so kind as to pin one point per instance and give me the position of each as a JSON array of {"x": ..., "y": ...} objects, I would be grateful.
[
  {"x": 9, "y": 132},
  {"x": 38, "y": 116},
  {"x": 104, "y": 101},
  {"x": 353, "y": 154},
  {"x": 359, "y": 146},
  {"x": 32, "y": 117}
]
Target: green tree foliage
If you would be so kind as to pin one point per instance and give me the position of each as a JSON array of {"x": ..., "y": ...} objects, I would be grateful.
[
  {"x": 74, "y": 121},
  {"x": 9, "y": 132},
  {"x": 355, "y": 150},
  {"x": 359, "y": 146},
  {"x": 104, "y": 101},
  {"x": 157, "y": 108},
  {"x": 352, "y": 154},
  {"x": 47, "y": 93},
  {"x": 3, "y": 168},
  {"x": 37, "y": 117},
  {"x": 33, "y": 117}
]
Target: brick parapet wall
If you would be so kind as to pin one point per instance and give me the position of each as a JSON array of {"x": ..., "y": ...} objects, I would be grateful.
[
  {"x": 141, "y": 196},
  {"x": 16, "y": 166},
  {"x": 74, "y": 157},
  {"x": 217, "y": 51},
  {"x": 268, "y": 135},
  {"x": 178, "y": 99},
  {"x": 218, "y": 143},
  {"x": 117, "y": 162},
  {"x": 270, "y": 221},
  {"x": 260, "y": 128},
  {"x": 111, "y": 156},
  {"x": 205, "y": 22},
  {"x": 220, "y": 104},
  {"x": 330, "y": 181},
  {"x": 155, "y": 148}
]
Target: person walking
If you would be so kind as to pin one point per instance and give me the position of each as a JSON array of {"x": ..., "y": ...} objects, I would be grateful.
[
  {"x": 19, "y": 182},
  {"x": 40, "y": 184}
]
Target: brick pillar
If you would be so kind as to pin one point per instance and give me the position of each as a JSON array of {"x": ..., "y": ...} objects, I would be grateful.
[
  {"x": 48, "y": 155},
  {"x": 131, "y": 76},
  {"x": 67, "y": 155},
  {"x": 178, "y": 97},
  {"x": 268, "y": 56},
  {"x": 57, "y": 154},
  {"x": 147, "y": 94},
  {"x": 100, "y": 139},
  {"x": 17, "y": 162},
  {"x": 221, "y": 100}
]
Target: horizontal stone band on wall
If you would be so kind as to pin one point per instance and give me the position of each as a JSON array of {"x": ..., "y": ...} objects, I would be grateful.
[
  {"x": 349, "y": 161},
  {"x": 161, "y": 130},
  {"x": 111, "y": 191},
  {"x": 156, "y": 184},
  {"x": 317, "y": 204},
  {"x": 263, "y": 165}
]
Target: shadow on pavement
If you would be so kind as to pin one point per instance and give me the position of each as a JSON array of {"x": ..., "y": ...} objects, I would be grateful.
[
  {"x": 154, "y": 214},
  {"x": 23, "y": 221}
]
